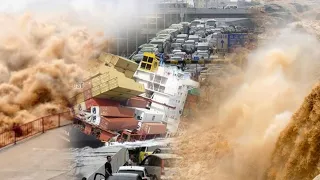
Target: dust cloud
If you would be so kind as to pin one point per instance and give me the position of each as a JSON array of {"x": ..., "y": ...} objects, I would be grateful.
[
  {"x": 40, "y": 63},
  {"x": 45, "y": 48},
  {"x": 237, "y": 140}
]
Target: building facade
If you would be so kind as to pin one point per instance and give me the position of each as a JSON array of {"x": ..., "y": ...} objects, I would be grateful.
[{"x": 167, "y": 85}]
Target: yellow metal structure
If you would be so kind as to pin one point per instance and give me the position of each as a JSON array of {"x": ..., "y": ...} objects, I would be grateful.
[
  {"x": 149, "y": 62},
  {"x": 121, "y": 64},
  {"x": 111, "y": 78}
]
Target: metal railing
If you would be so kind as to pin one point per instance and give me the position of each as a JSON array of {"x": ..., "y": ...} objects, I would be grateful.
[{"x": 35, "y": 127}]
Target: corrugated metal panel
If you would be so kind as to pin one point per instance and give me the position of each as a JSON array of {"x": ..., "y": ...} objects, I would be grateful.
[
  {"x": 118, "y": 61},
  {"x": 114, "y": 111},
  {"x": 87, "y": 94},
  {"x": 137, "y": 102},
  {"x": 120, "y": 69},
  {"x": 153, "y": 128},
  {"x": 87, "y": 85},
  {"x": 105, "y": 57},
  {"x": 79, "y": 107},
  {"x": 100, "y": 79},
  {"x": 118, "y": 124},
  {"x": 129, "y": 74},
  {"x": 117, "y": 85},
  {"x": 100, "y": 102},
  {"x": 106, "y": 136},
  {"x": 133, "y": 66},
  {"x": 79, "y": 98}
]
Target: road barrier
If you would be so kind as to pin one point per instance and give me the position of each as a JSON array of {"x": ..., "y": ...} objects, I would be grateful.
[{"x": 35, "y": 127}]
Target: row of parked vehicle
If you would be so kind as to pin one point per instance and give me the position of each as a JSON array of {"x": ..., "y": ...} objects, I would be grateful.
[
  {"x": 198, "y": 44},
  {"x": 159, "y": 165},
  {"x": 185, "y": 37},
  {"x": 195, "y": 40}
]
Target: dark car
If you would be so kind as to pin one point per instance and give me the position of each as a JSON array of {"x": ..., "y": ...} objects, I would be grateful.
[{"x": 118, "y": 176}]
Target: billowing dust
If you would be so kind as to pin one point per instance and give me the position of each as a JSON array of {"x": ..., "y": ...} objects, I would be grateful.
[
  {"x": 40, "y": 62},
  {"x": 238, "y": 138}
]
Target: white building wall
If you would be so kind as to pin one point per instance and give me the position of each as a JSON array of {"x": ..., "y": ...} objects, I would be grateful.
[
  {"x": 169, "y": 88},
  {"x": 145, "y": 115}
]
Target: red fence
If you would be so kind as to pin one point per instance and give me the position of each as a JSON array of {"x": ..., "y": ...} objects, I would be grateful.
[{"x": 32, "y": 128}]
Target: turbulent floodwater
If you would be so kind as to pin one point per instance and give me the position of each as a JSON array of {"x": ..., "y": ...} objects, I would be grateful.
[
  {"x": 242, "y": 140},
  {"x": 40, "y": 62}
]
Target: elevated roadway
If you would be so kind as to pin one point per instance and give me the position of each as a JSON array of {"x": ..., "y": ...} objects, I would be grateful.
[{"x": 192, "y": 13}]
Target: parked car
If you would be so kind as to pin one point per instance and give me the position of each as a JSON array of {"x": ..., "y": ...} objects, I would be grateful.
[
  {"x": 176, "y": 58},
  {"x": 182, "y": 36},
  {"x": 137, "y": 58},
  {"x": 142, "y": 171},
  {"x": 118, "y": 176},
  {"x": 171, "y": 32},
  {"x": 211, "y": 23},
  {"x": 146, "y": 45},
  {"x": 163, "y": 45},
  {"x": 181, "y": 54},
  {"x": 148, "y": 49},
  {"x": 186, "y": 26},
  {"x": 201, "y": 33},
  {"x": 196, "y": 22},
  {"x": 179, "y": 27},
  {"x": 176, "y": 46},
  {"x": 189, "y": 48},
  {"x": 201, "y": 55},
  {"x": 180, "y": 41},
  {"x": 203, "y": 48},
  {"x": 194, "y": 37},
  {"x": 165, "y": 36},
  {"x": 176, "y": 50}
]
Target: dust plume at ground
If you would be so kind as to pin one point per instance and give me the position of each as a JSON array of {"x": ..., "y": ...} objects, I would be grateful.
[
  {"x": 40, "y": 63},
  {"x": 237, "y": 140},
  {"x": 45, "y": 48},
  {"x": 296, "y": 152}
]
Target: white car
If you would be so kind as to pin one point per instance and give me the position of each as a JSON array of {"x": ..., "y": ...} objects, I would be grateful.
[
  {"x": 181, "y": 54},
  {"x": 176, "y": 51},
  {"x": 181, "y": 41},
  {"x": 140, "y": 170}
]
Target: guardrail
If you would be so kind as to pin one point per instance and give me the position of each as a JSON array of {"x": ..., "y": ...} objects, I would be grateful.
[{"x": 35, "y": 127}]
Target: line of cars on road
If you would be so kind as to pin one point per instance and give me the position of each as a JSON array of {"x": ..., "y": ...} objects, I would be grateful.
[
  {"x": 194, "y": 41},
  {"x": 178, "y": 38},
  {"x": 160, "y": 165}
]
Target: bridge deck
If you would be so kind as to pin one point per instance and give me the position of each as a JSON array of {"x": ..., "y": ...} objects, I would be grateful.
[{"x": 199, "y": 11}]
